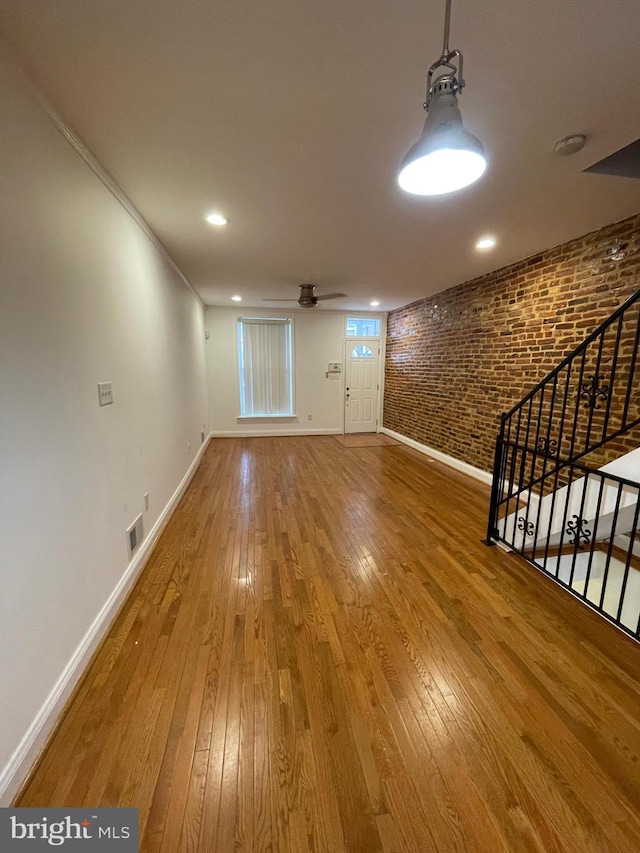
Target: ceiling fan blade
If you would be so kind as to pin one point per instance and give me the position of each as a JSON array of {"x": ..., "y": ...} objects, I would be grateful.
[
  {"x": 278, "y": 299},
  {"x": 331, "y": 296}
]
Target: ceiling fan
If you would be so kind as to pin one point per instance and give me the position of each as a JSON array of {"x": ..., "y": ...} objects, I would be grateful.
[{"x": 307, "y": 297}]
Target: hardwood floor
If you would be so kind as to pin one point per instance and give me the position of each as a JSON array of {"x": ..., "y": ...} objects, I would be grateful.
[{"x": 322, "y": 656}]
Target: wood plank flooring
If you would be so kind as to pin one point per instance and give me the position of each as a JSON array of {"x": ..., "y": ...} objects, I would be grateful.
[{"x": 322, "y": 656}]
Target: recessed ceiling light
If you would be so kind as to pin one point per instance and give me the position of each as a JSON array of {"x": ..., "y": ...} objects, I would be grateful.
[
  {"x": 486, "y": 243},
  {"x": 237, "y": 298},
  {"x": 375, "y": 303},
  {"x": 217, "y": 219}
]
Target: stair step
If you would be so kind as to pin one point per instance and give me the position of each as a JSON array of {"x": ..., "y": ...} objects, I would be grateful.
[{"x": 561, "y": 566}]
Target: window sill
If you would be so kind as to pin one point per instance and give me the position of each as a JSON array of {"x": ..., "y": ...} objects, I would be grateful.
[{"x": 270, "y": 417}]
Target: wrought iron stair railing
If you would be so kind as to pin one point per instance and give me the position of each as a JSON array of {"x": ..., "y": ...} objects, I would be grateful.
[{"x": 557, "y": 491}]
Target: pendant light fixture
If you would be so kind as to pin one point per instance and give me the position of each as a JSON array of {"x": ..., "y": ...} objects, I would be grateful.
[{"x": 446, "y": 157}]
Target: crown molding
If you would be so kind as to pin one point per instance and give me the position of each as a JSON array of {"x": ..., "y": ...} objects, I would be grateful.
[{"x": 92, "y": 162}]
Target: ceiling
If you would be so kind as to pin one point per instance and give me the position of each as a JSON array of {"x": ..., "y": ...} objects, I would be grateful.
[{"x": 292, "y": 116}]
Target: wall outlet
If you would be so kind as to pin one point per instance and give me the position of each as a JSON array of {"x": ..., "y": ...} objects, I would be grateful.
[
  {"x": 105, "y": 393},
  {"x": 146, "y": 500},
  {"x": 188, "y": 445},
  {"x": 309, "y": 417}
]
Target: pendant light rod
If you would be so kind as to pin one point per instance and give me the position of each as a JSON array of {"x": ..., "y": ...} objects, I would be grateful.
[{"x": 447, "y": 22}]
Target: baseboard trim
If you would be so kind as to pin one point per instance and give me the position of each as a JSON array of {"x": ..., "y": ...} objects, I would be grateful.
[
  {"x": 463, "y": 467},
  {"x": 15, "y": 773},
  {"x": 254, "y": 433}
]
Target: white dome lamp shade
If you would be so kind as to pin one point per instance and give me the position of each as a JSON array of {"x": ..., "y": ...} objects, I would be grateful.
[{"x": 446, "y": 157}]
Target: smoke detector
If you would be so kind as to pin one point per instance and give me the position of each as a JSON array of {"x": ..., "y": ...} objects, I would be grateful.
[{"x": 570, "y": 144}]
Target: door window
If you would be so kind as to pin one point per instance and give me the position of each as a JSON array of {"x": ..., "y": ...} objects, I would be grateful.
[{"x": 362, "y": 351}]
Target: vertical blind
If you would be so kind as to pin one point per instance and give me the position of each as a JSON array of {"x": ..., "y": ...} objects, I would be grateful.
[{"x": 264, "y": 359}]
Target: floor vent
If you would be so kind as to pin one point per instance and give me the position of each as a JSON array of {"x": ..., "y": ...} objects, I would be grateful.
[{"x": 135, "y": 534}]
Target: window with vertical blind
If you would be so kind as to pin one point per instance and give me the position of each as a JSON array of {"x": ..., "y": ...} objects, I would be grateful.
[{"x": 265, "y": 367}]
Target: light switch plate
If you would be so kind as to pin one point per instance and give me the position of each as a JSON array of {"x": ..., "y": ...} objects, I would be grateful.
[{"x": 105, "y": 394}]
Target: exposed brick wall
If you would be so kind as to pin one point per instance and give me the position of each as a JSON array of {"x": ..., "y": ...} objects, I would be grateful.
[{"x": 456, "y": 360}]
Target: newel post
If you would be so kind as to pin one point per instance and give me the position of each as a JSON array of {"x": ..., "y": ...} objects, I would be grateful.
[{"x": 492, "y": 524}]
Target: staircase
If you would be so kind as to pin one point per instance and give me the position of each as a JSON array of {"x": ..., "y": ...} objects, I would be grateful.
[{"x": 566, "y": 479}]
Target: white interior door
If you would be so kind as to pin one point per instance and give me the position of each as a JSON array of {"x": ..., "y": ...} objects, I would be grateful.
[{"x": 362, "y": 361}]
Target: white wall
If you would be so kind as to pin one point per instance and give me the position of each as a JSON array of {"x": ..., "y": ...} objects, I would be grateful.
[
  {"x": 85, "y": 296},
  {"x": 318, "y": 338}
]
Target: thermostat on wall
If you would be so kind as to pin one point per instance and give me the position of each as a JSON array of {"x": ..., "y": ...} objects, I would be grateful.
[{"x": 335, "y": 367}]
